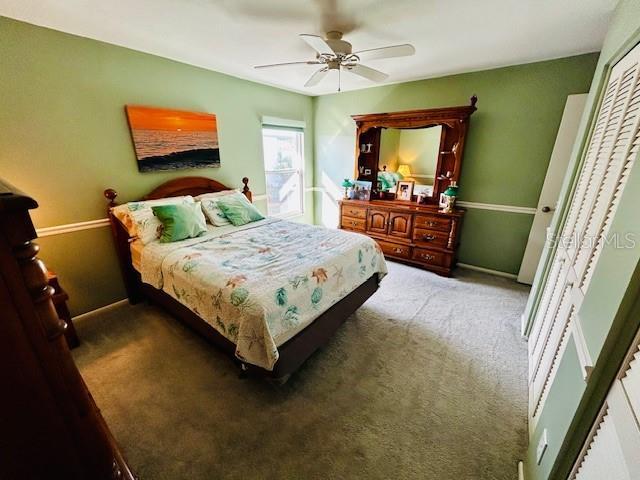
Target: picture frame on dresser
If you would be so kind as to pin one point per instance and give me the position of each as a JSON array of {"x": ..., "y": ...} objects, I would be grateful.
[{"x": 405, "y": 190}]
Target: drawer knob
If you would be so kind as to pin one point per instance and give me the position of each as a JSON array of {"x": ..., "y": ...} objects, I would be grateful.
[
  {"x": 354, "y": 212},
  {"x": 354, "y": 223},
  {"x": 397, "y": 250},
  {"x": 431, "y": 224},
  {"x": 428, "y": 237},
  {"x": 426, "y": 256}
]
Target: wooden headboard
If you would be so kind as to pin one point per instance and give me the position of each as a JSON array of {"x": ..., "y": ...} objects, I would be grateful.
[{"x": 193, "y": 186}]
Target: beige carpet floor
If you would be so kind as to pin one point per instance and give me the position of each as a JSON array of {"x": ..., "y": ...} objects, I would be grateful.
[{"x": 426, "y": 381}]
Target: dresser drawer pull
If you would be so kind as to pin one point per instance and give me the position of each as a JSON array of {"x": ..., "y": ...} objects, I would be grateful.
[
  {"x": 398, "y": 250},
  {"x": 426, "y": 256},
  {"x": 354, "y": 224},
  {"x": 431, "y": 224},
  {"x": 354, "y": 212},
  {"x": 428, "y": 237}
]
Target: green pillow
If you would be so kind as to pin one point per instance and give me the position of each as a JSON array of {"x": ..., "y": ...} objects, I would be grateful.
[
  {"x": 180, "y": 221},
  {"x": 239, "y": 210}
]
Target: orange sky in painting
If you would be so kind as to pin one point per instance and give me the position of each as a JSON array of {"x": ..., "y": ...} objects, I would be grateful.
[{"x": 147, "y": 118}]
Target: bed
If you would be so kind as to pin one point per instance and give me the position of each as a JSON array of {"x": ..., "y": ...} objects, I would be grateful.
[{"x": 268, "y": 293}]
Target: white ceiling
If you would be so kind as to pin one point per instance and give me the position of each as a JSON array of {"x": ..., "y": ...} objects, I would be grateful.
[{"x": 231, "y": 36}]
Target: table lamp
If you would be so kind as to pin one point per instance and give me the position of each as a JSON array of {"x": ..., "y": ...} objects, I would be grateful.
[
  {"x": 346, "y": 184},
  {"x": 404, "y": 170}
]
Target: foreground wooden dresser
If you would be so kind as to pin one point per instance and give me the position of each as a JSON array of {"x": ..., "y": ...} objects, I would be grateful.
[
  {"x": 417, "y": 234},
  {"x": 51, "y": 427}
]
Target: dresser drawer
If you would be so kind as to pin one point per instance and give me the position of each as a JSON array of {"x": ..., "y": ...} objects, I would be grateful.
[
  {"x": 429, "y": 257},
  {"x": 394, "y": 249},
  {"x": 433, "y": 222},
  {"x": 359, "y": 224},
  {"x": 355, "y": 212},
  {"x": 430, "y": 237}
]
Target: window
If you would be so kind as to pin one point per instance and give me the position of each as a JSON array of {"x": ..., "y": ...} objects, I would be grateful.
[{"x": 283, "y": 160}]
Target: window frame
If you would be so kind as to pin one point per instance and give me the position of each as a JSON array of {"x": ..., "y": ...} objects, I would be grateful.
[{"x": 300, "y": 171}]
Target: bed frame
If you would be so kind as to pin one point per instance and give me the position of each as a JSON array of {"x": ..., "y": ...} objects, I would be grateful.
[{"x": 293, "y": 353}]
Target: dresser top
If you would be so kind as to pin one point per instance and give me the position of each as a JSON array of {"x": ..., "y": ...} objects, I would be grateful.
[{"x": 404, "y": 206}]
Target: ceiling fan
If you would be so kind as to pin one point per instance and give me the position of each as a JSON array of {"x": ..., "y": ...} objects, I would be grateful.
[{"x": 334, "y": 53}]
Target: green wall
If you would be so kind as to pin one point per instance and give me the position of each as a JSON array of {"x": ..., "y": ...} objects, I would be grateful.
[
  {"x": 604, "y": 313},
  {"x": 508, "y": 148},
  {"x": 64, "y": 138}
]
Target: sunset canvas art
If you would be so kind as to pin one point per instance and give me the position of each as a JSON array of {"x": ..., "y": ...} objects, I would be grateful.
[{"x": 171, "y": 139}]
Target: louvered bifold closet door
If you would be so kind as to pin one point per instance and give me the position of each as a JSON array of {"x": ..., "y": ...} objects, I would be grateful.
[
  {"x": 611, "y": 152},
  {"x": 612, "y": 450},
  {"x": 631, "y": 383}
]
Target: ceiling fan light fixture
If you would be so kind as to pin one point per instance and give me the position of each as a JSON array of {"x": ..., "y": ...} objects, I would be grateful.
[{"x": 334, "y": 53}]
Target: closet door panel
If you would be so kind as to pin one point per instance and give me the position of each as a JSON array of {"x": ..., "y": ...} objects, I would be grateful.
[
  {"x": 612, "y": 449},
  {"x": 623, "y": 159},
  {"x": 626, "y": 427},
  {"x": 615, "y": 159},
  {"x": 550, "y": 298},
  {"x": 604, "y": 450},
  {"x": 604, "y": 148},
  {"x": 605, "y": 457},
  {"x": 609, "y": 157},
  {"x": 569, "y": 228},
  {"x": 631, "y": 384}
]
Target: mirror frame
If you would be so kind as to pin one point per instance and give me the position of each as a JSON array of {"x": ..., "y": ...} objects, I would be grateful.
[{"x": 455, "y": 124}]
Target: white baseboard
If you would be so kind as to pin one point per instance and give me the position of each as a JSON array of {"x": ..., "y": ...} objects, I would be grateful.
[
  {"x": 100, "y": 309},
  {"x": 511, "y": 276}
]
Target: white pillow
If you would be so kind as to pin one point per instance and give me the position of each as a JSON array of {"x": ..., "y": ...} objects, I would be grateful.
[
  {"x": 210, "y": 208},
  {"x": 139, "y": 220}
]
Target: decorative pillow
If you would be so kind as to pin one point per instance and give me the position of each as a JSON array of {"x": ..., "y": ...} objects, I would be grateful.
[
  {"x": 181, "y": 221},
  {"x": 210, "y": 206},
  {"x": 239, "y": 210},
  {"x": 138, "y": 218}
]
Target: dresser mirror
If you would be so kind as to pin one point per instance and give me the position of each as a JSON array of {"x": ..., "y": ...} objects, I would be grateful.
[
  {"x": 409, "y": 154},
  {"x": 421, "y": 146}
]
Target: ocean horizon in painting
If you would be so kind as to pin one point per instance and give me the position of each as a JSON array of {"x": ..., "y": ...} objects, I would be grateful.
[{"x": 172, "y": 139}]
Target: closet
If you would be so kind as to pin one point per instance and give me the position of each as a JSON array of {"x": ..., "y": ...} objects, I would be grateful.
[{"x": 608, "y": 159}]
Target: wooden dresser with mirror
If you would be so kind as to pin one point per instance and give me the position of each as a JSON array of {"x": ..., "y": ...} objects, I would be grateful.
[{"x": 424, "y": 148}]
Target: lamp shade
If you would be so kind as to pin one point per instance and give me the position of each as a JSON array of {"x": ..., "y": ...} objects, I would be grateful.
[
  {"x": 346, "y": 183},
  {"x": 404, "y": 170}
]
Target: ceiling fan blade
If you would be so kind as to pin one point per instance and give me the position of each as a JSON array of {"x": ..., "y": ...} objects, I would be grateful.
[
  {"x": 317, "y": 43},
  {"x": 386, "y": 52},
  {"x": 367, "y": 72},
  {"x": 287, "y": 64},
  {"x": 316, "y": 77}
]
